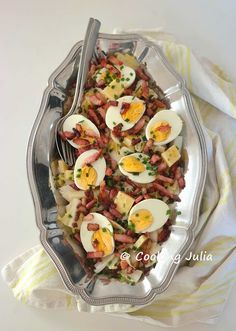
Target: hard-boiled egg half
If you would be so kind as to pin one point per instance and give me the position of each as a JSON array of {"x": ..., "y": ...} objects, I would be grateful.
[
  {"x": 128, "y": 111},
  {"x": 148, "y": 215},
  {"x": 136, "y": 166},
  {"x": 89, "y": 170},
  {"x": 164, "y": 127},
  {"x": 100, "y": 240},
  {"x": 87, "y": 130}
]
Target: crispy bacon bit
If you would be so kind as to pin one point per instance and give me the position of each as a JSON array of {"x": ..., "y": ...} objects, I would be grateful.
[
  {"x": 164, "y": 191},
  {"x": 115, "y": 212},
  {"x": 113, "y": 60},
  {"x": 103, "y": 62},
  {"x": 102, "y": 112},
  {"x": 149, "y": 112},
  {"x": 141, "y": 74},
  {"x": 140, "y": 198},
  {"x": 95, "y": 255},
  {"x": 123, "y": 238},
  {"x": 163, "y": 235},
  {"x": 81, "y": 141},
  {"x": 82, "y": 209},
  {"x": 154, "y": 159},
  {"x": 93, "y": 227},
  {"x": 117, "y": 130},
  {"x": 68, "y": 135},
  {"x": 90, "y": 133},
  {"x": 181, "y": 182},
  {"x": 131, "y": 183},
  {"x": 107, "y": 214},
  {"x": 135, "y": 141},
  {"x": 162, "y": 166},
  {"x": 124, "y": 107},
  {"x": 92, "y": 158},
  {"x": 113, "y": 70},
  {"x": 148, "y": 146},
  {"x": 147, "y": 196},
  {"x": 112, "y": 103},
  {"x": 108, "y": 172},
  {"x": 138, "y": 126},
  {"x": 77, "y": 237},
  {"x": 123, "y": 264},
  {"x": 93, "y": 117},
  {"x": 145, "y": 89},
  {"x": 100, "y": 83},
  {"x": 165, "y": 179},
  {"x": 94, "y": 100},
  {"x": 113, "y": 193},
  {"x": 164, "y": 128},
  {"x": 91, "y": 204},
  {"x": 178, "y": 173},
  {"x": 159, "y": 104}
]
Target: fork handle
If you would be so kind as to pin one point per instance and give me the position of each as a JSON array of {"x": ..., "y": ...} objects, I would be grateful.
[{"x": 85, "y": 58}]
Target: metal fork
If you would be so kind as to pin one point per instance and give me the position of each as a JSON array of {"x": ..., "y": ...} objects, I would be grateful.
[{"x": 65, "y": 150}]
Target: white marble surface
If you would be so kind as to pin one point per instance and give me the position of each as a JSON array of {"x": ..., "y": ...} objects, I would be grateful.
[{"x": 35, "y": 38}]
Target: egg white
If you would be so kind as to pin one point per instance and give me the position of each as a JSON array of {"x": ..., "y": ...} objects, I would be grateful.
[
  {"x": 159, "y": 210},
  {"x": 113, "y": 115},
  {"x": 143, "y": 177},
  {"x": 99, "y": 166},
  {"x": 128, "y": 74},
  {"x": 71, "y": 122},
  {"x": 174, "y": 121},
  {"x": 86, "y": 235}
]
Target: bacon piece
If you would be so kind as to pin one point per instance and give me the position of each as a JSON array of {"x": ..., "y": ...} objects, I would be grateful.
[
  {"x": 162, "y": 166},
  {"x": 82, "y": 209},
  {"x": 163, "y": 235},
  {"x": 123, "y": 238},
  {"x": 113, "y": 70},
  {"x": 103, "y": 62},
  {"x": 135, "y": 141},
  {"x": 102, "y": 112},
  {"x": 92, "y": 158},
  {"x": 93, "y": 227},
  {"x": 68, "y": 135},
  {"x": 147, "y": 196},
  {"x": 154, "y": 159},
  {"x": 113, "y": 193},
  {"x": 115, "y": 212},
  {"x": 165, "y": 179},
  {"x": 131, "y": 183},
  {"x": 145, "y": 89},
  {"x": 90, "y": 133},
  {"x": 93, "y": 117},
  {"x": 112, "y": 103},
  {"x": 148, "y": 146},
  {"x": 138, "y": 127},
  {"x": 108, "y": 172},
  {"x": 178, "y": 173},
  {"x": 117, "y": 130},
  {"x": 61, "y": 134},
  {"x": 113, "y": 60},
  {"x": 95, "y": 255},
  {"x": 81, "y": 150},
  {"x": 91, "y": 204},
  {"x": 107, "y": 214},
  {"x": 181, "y": 182},
  {"x": 124, "y": 107},
  {"x": 123, "y": 264},
  {"x": 94, "y": 100},
  {"x": 160, "y": 104},
  {"x": 164, "y": 191},
  {"x": 101, "y": 97},
  {"x": 100, "y": 83},
  {"x": 141, "y": 74},
  {"x": 149, "y": 112},
  {"x": 140, "y": 198},
  {"x": 81, "y": 141},
  {"x": 77, "y": 237}
]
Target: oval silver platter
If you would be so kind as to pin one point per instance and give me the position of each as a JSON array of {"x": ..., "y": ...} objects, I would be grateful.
[{"x": 42, "y": 150}]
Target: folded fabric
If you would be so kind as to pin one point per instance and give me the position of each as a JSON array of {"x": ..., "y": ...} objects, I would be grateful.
[{"x": 200, "y": 288}]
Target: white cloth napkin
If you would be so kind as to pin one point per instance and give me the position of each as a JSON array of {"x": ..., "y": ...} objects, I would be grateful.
[{"x": 200, "y": 289}]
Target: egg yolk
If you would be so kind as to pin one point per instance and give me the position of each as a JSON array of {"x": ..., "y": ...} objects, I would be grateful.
[
  {"x": 133, "y": 112},
  {"x": 86, "y": 177},
  {"x": 142, "y": 219},
  {"x": 104, "y": 241},
  {"x": 160, "y": 131},
  {"x": 131, "y": 164}
]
